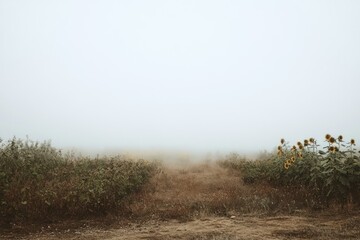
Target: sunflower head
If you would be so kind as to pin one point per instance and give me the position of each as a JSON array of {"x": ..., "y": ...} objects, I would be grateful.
[
  {"x": 311, "y": 140},
  {"x": 332, "y": 149},
  {"x": 332, "y": 140},
  {"x": 340, "y": 138},
  {"x": 286, "y": 165},
  {"x": 327, "y": 137},
  {"x": 279, "y": 148},
  {"x": 299, "y": 154},
  {"x": 282, "y": 141},
  {"x": 292, "y": 159},
  {"x": 336, "y": 149},
  {"x": 293, "y": 148},
  {"x": 352, "y": 142},
  {"x": 301, "y": 147},
  {"x": 306, "y": 142}
]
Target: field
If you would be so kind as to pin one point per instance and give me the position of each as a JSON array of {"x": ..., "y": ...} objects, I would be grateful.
[{"x": 205, "y": 200}]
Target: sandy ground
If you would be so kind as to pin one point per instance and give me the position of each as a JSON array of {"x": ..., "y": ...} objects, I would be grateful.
[{"x": 209, "y": 191}]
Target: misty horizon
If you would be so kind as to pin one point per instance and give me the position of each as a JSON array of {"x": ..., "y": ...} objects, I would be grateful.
[{"x": 181, "y": 76}]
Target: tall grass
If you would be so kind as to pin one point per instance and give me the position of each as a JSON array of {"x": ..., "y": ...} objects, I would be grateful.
[{"x": 38, "y": 182}]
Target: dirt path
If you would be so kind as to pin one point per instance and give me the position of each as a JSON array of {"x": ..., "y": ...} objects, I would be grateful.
[
  {"x": 218, "y": 228},
  {"x": 238, "y": 228},
  {"x": 202, "y": 202}
]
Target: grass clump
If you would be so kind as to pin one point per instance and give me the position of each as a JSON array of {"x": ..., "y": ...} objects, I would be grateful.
[{"x": 38, "y": 182}]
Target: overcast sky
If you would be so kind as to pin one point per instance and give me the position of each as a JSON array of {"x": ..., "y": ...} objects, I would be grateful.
[{"x": 184, "y": 75}]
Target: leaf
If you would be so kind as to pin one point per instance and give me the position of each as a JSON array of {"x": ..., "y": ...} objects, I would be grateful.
[
  {"x": 328, "y": 171},
  {"x": 324, "y": 164},
  {"x": 321, "y": 152},
  {"x": 340, "y": 170}
]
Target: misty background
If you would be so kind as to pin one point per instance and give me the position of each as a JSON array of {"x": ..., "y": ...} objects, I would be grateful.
[{"x": 204, "y": 76}]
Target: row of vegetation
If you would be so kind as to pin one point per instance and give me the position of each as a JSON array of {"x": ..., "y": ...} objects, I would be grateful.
[
  {"x": 37, "y": 181},
  {"x": 326, "y": 175}
]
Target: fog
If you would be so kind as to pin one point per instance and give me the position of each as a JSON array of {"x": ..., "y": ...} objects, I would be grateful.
[{"x": 186, "y": 76}]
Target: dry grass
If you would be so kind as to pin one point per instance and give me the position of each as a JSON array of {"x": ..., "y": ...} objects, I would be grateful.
[
  {"x": 186, "y": 192},
  {"x": 203, "y": 189}
]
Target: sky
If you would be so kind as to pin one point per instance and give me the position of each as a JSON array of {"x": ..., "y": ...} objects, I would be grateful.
[{"x": 196, "y": 75}]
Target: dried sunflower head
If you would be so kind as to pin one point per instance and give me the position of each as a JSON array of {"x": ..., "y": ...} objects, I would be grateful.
[
  {"x": 327, "y": 137},
  {"x": 340, "y": 138},
  {"x": 311, "y": 140},
  {"x": 332, "y": 140},
  {"x": 282, "y": 141},
  {"x": 352, "y": 142},
  {"x": 306, "y": 142}
]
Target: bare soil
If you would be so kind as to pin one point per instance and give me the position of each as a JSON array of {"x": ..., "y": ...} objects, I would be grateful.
[{"x": 200, "y": 201}]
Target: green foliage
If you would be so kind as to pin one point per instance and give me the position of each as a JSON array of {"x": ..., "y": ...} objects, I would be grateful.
[
  {"x": 329, "y": 175},
  {"x": 37, "y": 181},
  {"x": 252, "y": 171}
]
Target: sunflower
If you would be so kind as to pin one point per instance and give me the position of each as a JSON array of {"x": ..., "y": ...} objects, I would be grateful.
[
  {"x": 311, "y": 140},
  {"x": 286, "y": 165},
  {"x": 327, "y": 137},
  {"x": 306, "y": 142},
  {"x": 293, "y": 148},
  {"x": 301, "y": 147},
  {"x": 292, "y": 159},
  {"x": 332, "y": 140},
  {"x": 340, "y": 138},
  {"x": 299, "y": 154},
  {"x": 282, "y": 141},
  {"x": 352, "y": 142},
  {"x": 331, "y": 149}
]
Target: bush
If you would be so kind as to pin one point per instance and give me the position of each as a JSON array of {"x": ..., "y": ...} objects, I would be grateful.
[{"x": 38, "y": 182}]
